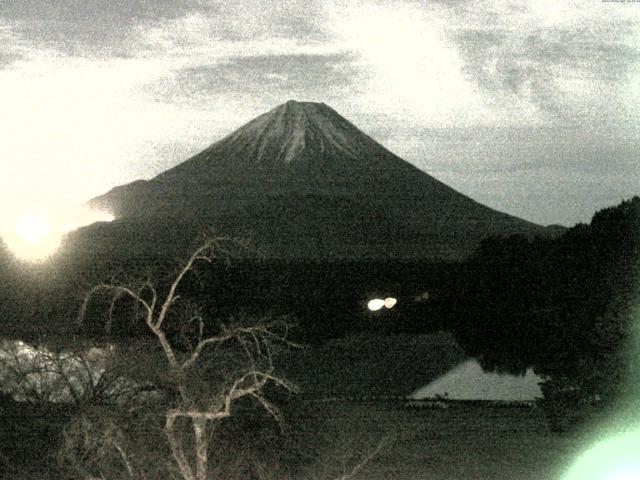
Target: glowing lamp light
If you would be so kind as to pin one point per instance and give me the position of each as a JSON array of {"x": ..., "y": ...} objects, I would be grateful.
[
  {"x": 375, "y": 304},
  {"x": 613, "y": 459}
]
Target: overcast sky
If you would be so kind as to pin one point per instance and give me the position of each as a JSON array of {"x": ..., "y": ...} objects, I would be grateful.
[{"x": 529, "y": 107}]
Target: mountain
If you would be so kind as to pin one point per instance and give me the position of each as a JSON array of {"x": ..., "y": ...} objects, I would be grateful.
[{"x": 302, "y": 182}]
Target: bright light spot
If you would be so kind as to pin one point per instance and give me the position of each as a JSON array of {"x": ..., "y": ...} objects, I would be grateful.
[
  {"x": 32, "y": 238},
  {"x": 35, "y": 237},
  {"x": 32, "y": 229},
  {"x": 375, "y": 304},
  {"x": 390, "y": 302},
  {"x": 613, "y": 459}
]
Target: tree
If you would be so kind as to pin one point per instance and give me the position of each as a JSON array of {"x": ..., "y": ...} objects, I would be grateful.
[
  {"x": 566, "y": 307},
  {"x": 83, "y": 375},
  {"x": 207, "y": 368}
]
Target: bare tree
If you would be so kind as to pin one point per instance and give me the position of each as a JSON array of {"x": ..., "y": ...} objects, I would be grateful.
[{"x": 197, "y": 403}]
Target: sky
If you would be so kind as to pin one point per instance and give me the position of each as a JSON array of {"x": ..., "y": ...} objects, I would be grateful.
[{"x": 530, "y": 107}]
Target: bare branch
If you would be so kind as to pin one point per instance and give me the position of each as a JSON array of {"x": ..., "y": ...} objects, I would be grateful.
[
  {"x": 261, "y": 379},
  {"x": 176, "y": 447},
  {"x": 271, "y": 409},
  {"x": 365, "y": 460},
  {"x": 171, "y": 298},
  {"x": 117, "y": 291},
  {"x": 256, "y": 341},
  {"x": 191, "y": 360}
]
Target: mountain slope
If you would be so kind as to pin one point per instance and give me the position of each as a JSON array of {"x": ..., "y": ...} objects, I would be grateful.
[{"x": 303, "y": 182}]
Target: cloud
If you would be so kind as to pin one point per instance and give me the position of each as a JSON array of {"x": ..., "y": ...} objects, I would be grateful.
[
  {"x": 87, "y": 10},
  {"x": 12, "y": 49},
  {"x": 444, "y": 62},
  {"x": 544, "y": 174},
  {"x": 81, "y": 34},
  {"x": 554, "y": 70},
  {"x": 9, "y": 56},
  {"x": 568, "y": 60},
  {"x": 267, "y": 79},
  {"x": 408, "y": 68},
  {"x": 125, "y": 28}
]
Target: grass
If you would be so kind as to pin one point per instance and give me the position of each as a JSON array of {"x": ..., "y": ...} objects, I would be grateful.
[{"x": 463, "y": 442}]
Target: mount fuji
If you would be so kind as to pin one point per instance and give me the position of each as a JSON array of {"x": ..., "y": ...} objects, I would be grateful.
[{"x": 302, "y": 182}]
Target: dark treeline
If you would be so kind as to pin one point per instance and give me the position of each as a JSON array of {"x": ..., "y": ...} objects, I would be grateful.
[
  {"x": 323, "y": 299},
  {"x": 563, "y": 306}
]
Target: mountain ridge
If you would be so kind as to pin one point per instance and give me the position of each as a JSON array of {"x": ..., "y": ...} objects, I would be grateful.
[
  {"x": 301, "y": 177},
  {"x": 302, "y": 146}
]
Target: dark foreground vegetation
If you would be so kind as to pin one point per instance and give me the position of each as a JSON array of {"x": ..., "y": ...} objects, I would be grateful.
[
  {"x": 327, "y": 440},
  {"x": 564, "y": 306}
]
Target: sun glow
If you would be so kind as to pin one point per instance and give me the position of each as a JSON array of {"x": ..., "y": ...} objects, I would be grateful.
[
  {"x": 32, "y": 237},
  {"x": 613, "y": 459},
  {"x": 32, "y": 229},
  {"x": 35, "y": 237}
]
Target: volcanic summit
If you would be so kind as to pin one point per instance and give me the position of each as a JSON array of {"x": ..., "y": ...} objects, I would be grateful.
[{"x": 301, "y": 181}]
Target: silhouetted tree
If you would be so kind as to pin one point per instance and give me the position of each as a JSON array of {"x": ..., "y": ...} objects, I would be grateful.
[
  {"x": 563, "y": 307},
  {"x": 205, "y": 370}
]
